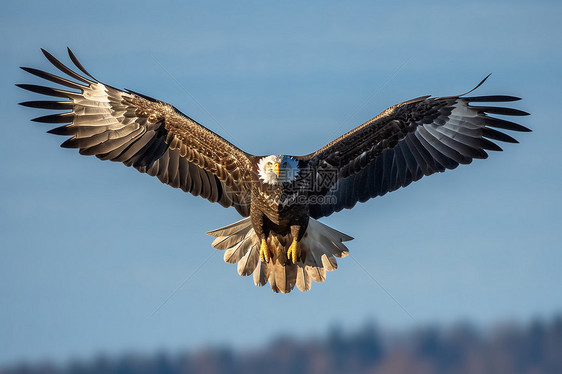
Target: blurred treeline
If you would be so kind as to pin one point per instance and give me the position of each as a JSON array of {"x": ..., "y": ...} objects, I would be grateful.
[{"x": 533, "y": 348}]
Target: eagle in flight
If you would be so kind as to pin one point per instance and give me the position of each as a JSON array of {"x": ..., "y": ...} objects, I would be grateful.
[{"x": 280, "y": 197}]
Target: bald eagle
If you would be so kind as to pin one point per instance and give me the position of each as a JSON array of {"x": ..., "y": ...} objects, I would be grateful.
[{"x": 280, "y": 197}]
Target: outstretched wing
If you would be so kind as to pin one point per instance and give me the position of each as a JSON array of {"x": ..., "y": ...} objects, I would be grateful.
[
  {"x": 150, "y": 135},
  {"x": 405, "y": 142}
]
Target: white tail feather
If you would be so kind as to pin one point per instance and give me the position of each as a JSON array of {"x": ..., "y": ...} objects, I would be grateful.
[{"x": 318, "y": 246}]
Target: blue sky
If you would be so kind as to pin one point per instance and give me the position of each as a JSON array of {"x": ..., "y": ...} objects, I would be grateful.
[{"x": 89, "y": 249}]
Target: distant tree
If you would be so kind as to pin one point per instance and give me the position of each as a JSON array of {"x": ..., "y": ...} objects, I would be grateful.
[{"x": 511, "y": 349}]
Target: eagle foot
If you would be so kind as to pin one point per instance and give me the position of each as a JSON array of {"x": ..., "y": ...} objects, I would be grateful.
[
  {"x": 265, "y": 252},
  {"x": 294, "y": 252}
]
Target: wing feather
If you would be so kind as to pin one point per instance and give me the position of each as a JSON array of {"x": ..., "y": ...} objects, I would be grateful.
[
  {"x": 407, "y": 141},
  {"x": 142, "y": 132}
]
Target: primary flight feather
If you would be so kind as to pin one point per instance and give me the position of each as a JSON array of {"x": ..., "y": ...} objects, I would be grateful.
[{"x": 280, "y": 197}]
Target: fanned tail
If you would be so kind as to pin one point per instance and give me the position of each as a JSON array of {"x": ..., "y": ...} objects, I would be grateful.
[{"x": 320, "y": 246}]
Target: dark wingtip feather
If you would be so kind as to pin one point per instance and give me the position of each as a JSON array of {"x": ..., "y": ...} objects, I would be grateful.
[
  {"x": 62, "y": 67},
  {"x": 29, "y": 87},
  {"x": 63, "y": 130},
  {"x": 57, "y": 105},
  {"x": 44, "y": 90},
  {"x": 78, "y": 64},
  {"x": 492, "y": 98},
  {"x": 55, "y": 118},
  {"x": 70, "y": 143},
  {"x": 497, "y": 135},
  {"x": 524, "y": 129},
  {"x": 49, "y": 56},
  {"x": 54, "y": 78},
  {"x": 490, "y": 146},
  {"x": 507, "y": 125},
  {"x": 478, "y": 85},
  {"x": 482, "y": 81},
  {"x": 27, "y": 69},
  {"x": 500, "y": 110}
]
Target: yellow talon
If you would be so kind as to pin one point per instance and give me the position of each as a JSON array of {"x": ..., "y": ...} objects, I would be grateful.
[
  {"x": 265, "y": 253},
  {"x": 294, "y": 252}
]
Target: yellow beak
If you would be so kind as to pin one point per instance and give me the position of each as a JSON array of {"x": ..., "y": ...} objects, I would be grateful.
[{"x": 276, "y": 169}]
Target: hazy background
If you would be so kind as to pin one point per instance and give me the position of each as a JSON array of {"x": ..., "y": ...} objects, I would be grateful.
[{"x": 89, "y": 250}]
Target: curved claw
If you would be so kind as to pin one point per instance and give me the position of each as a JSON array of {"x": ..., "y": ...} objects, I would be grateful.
[
  {"x": 294, "y": 252},
  {"x": 265, "y": 252}
]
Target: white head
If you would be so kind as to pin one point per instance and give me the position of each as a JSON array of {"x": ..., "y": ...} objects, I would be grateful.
[{"x": 277, "y": 169}]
